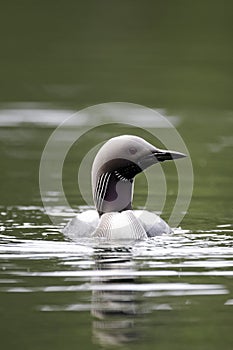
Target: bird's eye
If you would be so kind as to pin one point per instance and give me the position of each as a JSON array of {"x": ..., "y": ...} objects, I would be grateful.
[{"x": 132, "y": 150}]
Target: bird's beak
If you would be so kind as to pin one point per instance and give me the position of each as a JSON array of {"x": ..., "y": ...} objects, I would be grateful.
[
  {"x": 162, "y": 155},
  {"x": 157, "y": 155}
]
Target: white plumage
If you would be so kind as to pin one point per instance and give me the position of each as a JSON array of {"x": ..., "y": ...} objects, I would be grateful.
[{"x": 116, "y": 164}]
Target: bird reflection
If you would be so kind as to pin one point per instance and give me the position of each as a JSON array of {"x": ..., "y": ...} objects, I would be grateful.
[{"x": 116, "y": 311}]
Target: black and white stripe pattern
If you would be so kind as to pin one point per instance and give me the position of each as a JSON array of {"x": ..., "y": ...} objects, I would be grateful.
[
  {"x": 101, "y": 189},
  {"x": 120, "y": 226},
  {"x": 120, "y": 177}
]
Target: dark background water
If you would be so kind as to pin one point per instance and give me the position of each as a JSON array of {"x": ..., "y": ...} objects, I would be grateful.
[
  {"x": 173, "y": 54},
  {"x": 57, "y": 57}
]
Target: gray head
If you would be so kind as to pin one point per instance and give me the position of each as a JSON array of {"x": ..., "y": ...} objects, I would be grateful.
[{"x": 116, "y": 164}]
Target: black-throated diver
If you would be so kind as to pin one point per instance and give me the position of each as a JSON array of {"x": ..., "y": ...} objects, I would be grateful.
[{"x": 116, "y": 164}]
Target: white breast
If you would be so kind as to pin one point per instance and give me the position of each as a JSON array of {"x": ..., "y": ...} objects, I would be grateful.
[
  {"x": 82, "y": 225},
  {"x": 120, "y": 226},
  {"x": 129, "y": 224},
  {"x": 152, "y": 223}
]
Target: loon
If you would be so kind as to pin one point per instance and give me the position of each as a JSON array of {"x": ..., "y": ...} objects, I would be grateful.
[{"x": 114, "y": 168}]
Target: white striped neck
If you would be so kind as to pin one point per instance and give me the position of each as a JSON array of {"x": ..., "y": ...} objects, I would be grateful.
[{"x": 113, "y": 193}]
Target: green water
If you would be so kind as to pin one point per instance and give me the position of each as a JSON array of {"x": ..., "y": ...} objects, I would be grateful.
[{"x": 58, "y": 57}]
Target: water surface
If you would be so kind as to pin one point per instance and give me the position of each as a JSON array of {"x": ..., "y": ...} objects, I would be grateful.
[
  {"x": 171, "y": 292},
  {"x": 174, "y": 288}
]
